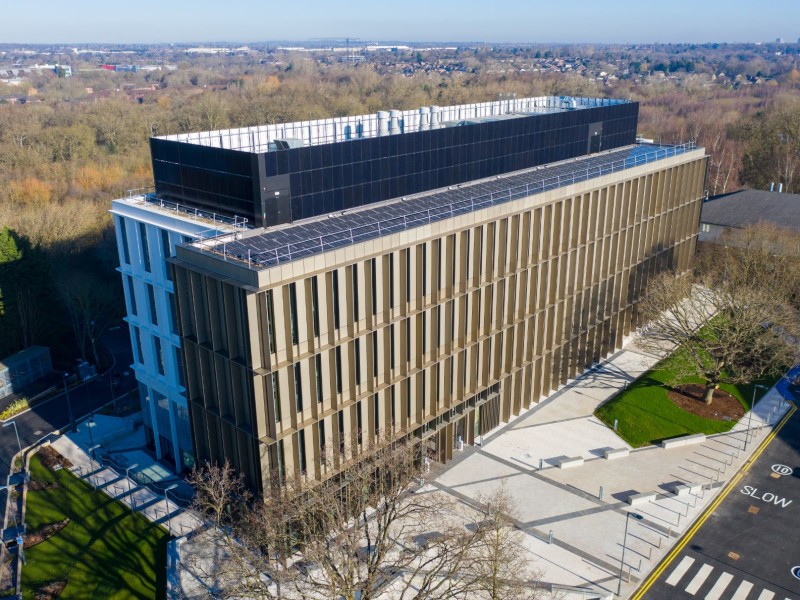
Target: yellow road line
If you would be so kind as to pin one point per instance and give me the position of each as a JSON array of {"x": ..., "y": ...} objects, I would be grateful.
[{"x": 710, "y": 509}]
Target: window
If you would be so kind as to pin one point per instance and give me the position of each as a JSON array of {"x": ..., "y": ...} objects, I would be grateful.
[
  {"x": 321, "y": 432},
  {"x": 276, "y": 398},
  {"x": 391, "y": 280},
  {"x": 375, "y": 353},
  {"x": 179, "y": 365},
  {"x": 408, "y": 274},
  {"x": 131, "y": 294},
  {"x": 374, "y": 283},
  {"x": 123, "y": 234},
  {"x": 298, "y": 387},
  {"x": 172, "y": 313},
  {"x": 293, "y": 311},
  {"x": 424, "y": 269},
  {"x": 335, "y": 286},
  {"x": 424, "y": 334},
  {"x": 318, "y": 375},
  {"x": 315, "y": 306},
  {"x": 301, "y": 447},
  {"x": 376, "y": 422},
  {"x": 145, "y": 246},
  {"x": 391, "y": 346},
  {"x": 359, "y": 422},
  {"x": 167, "y": 253},
  {"x": 705, "y": 227},
  {"x": 408, "y": 339},
  {"x": 270, "y": 321},
  {"x": 159, "y": 355},
  {"x": 355, "y": 292},
  {"x": 391, "y": 404},
  {"x": 340, "y": 423},
  {"x": 357, "y": 360},
  {"x": 138, "y": 335},
  {"x": 151, "y": 298},
  {"x": 281, "y": 461},
  {"x": 338, "y": 359},
  {"x": 453, "y": 250}
]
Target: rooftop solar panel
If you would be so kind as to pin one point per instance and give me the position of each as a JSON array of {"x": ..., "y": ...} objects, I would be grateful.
[{"x": 278, "y": 246}]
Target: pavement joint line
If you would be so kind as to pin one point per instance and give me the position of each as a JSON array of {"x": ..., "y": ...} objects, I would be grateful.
[
  {"x": 537, "y": 533},
  {"x": 567, "y": 488},
  {"x": 578, "y": 513},
  {"x": 678, "y": 548}
]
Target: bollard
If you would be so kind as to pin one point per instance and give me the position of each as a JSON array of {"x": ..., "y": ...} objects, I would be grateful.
[
  {"x": 616, "y": 422},
  {"x": 600, "y": 495},
  {"x": 541, "y": 463},
  {"x": 550, "y": 537}
]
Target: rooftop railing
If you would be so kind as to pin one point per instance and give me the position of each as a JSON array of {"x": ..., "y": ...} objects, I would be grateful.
[
  {"x": 379, "y": 228},
  {"x": 149, "y": 197}
]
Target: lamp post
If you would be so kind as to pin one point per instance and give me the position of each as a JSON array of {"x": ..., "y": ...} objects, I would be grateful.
[
  {"x": 90, "y": 426},
  {"x": 750, "y": 416},
  {"x": 94, "y": 347},
  {"x": 69, "y": 402},
  {"x": 16, "y": 432},
  {"x": 638, "y": 517},
  {"x": 128, "y": 474},
  {"x": 166, "y": 497}
]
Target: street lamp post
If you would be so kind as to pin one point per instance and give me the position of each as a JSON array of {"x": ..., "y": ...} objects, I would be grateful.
[
  {"x": 69, "y": 402},
  {"x": 638, "y": 517},
  {"x": 750, "y": 416},
  {"x": 166, "y": 497},
  {"x": 94, "y": 347},
  {"x": 128, "y": 474},
  {"x": 16, "y": 432}
]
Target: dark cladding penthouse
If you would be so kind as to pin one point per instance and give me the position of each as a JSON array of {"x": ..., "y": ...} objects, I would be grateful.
[
  {"x": 279, "y": 174},
  {"x": 434, "y": 316}
]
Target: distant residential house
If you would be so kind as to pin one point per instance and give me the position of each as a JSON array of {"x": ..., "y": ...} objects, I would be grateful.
[{"x": 740, "y": 209}]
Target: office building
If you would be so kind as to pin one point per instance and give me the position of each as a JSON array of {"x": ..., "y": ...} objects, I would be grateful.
[{"x": 424, "y": 274}]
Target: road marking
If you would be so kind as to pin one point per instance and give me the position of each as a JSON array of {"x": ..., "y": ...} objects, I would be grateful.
[
  {"x": 782, "y": 470},
  {"x": 667, "y": 561},
  {"x": 742, "y": 591},
  {"x": 699, "y": 579},
  {"x": 766, "y": 595},
  {"x": 680, "y": 570},
  {"x": 719, "y": 586}
]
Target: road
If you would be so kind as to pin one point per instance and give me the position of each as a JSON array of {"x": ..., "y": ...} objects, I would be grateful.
[
  {"x": 749, "y": 545},
  {"x": 52, "y": 415}
]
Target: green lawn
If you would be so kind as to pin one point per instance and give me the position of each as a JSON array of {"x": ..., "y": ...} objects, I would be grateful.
[
  {"x": 104, "y": 552},
  {"x": 646, "y": 415}
]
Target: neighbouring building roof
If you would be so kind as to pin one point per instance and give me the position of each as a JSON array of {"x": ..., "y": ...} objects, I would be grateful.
[{"x": 748, "y": 207}]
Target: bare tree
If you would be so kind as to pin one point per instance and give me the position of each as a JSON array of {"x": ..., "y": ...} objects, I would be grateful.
[
  {"x": 374, "y": 531},
  {"x": 724, "y": 331},
  {"x": 500, "y": 566}
]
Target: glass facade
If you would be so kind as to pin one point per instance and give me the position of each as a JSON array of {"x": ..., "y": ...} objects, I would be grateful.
[{"x": 286, "y": 185}]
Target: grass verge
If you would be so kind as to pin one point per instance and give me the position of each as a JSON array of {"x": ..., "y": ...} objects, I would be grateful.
[
  {"x": 646, "y": 415},
  {"x": 104, "y": 552}
]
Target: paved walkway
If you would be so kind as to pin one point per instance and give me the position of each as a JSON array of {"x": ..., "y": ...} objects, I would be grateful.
[
  {"x": 155, "y": 507},
  {"x": 575, "y": 518}
]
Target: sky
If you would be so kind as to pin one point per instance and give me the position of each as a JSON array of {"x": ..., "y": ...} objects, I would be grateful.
[{"x": 525, "y": 21}]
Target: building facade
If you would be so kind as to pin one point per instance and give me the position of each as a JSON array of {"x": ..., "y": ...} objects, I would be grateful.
[
  {"x": 421, "y": 274},
  {"x": 147, "y": 232}
]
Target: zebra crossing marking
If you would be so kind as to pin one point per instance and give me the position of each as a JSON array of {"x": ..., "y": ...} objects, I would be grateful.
[
  {"x": 699, "y": 579},
  {"x": 680, "y": 570},
  {"x": 719, "y": 586}
]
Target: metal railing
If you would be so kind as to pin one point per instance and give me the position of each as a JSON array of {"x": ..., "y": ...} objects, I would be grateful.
[
  {"x": 148, "y": 196},
  {"x": 346, "y": 237}
]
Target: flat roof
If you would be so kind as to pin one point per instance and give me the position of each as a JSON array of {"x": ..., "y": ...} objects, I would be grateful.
[
  {"x": 748, "y": 207},
  {"x": 262, "y": 138},
  {"x": 260, "y": 249}
]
